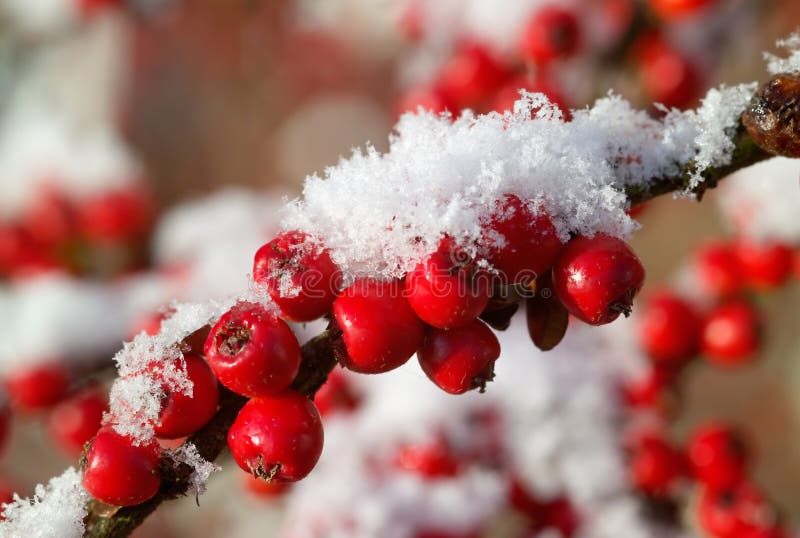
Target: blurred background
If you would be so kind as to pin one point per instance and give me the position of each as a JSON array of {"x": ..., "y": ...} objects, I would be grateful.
[{"x": 146, "y": 147}]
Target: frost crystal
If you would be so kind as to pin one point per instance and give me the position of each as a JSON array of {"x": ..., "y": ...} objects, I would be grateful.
[
  {"x": 55, "y": 511},
  {"x": 790, "y": 64},
  {"x": 380, "y": 212},
  {"x": 187, "y": 453}
]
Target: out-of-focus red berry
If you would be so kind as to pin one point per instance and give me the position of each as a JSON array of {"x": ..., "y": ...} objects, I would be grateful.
[
  {"x": 76, "y": 420},
  {"x": 738, "y": 511},
  {"x": 717, "y": 270},
  {"x": 37, "y": 387},
  {"x": 116, "y": 216},
  {"x": 553, "y": 32},
  {"x": 679, "y": 9},
  {"x": 429, "y": 98},
  {"x": 336, "y": 395},
  {"x": 669, "y": 330},
  {"x": 667, "y": 76},
  {"x": 263, "y": 489},
  {"x": 430, "y": 460},
  {"x": 655, "y": 466},
  {"x": 718, "y": 456},
  {"x": 471, "y": 77},
  {"x": 764, "y": 265},
  {"x": 731, "y": 334}
]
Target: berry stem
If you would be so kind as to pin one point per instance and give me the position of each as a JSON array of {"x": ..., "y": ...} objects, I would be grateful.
[{"x": 317, "y": 362}]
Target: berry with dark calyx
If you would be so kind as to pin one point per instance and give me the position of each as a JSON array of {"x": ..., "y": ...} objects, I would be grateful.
[
  {"x": 182, "y": 415},
  {"x": 252, "y": 351},
  {"x": 731, "y": 334},
  {"x": 773, "y": 117},
  {"x": 119, "y": 472},
  {"x": 298, "y": 274},
  {"x": 31, "y": 388},
  {"x": 77, "y": 419},
  {"x": 655, "y": 466},
  {"x": 596, "y": 278},
  {"x": 448, "y": 290},
  {"x": 470, "y": 77},
  {"x": 679, "y": 9},
  {"x": 764, "y": 265},
  {"x": 718, "y": 456},
  {"x": 717, "y": 270},
  {"x": 669, "y": 330},
  {"x": 336, "y": 395},
  {"x": 380, "y": 331},
  {"x": 552, "y": 33},
  {"x": 459, "y": 360},
  {"x": 521, "y": 241},
  {"x": 430, "y": 460},
  {"x": 738, "y": 511},
  {"x": 277, "y": 438}
]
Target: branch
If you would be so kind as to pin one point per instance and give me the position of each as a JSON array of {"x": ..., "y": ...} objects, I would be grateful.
[
  {"x": 745, "y": 153},
  {"x": 211, "y": 440},
  {"x": 319, "y": 354}
]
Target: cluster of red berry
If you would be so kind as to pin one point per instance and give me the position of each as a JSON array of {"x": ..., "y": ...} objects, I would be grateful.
[
  {"x": 56, "y": 232},
  {"x": 671, "y": 333},
  {"x": 476, "y": 78},
  {"x": 376, "y": 325}
]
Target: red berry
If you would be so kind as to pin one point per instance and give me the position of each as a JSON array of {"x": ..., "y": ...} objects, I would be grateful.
[
  {"x": 766, "y": 265},
  {"x": 183, "y": 415},
  {"x": 116, "y": 216},
  {"x": 298, "y": 274},
  {"x": 336, "y": 395},
  {"x": 651, "y": 391},
  {"x": 718, "y": 456},
  {"x": 597, "y": 278},
  {"x": 37, "y": 387},
  {"x": 552, "y": 33},
  {"x": 76, "y": 420},
  {"x": 731, "y": 334},
  {"x": 717, "y": 269},
  {"x": 509, "y": 94},
  {"x": 470, "y": 77},
  {"x": 429, "y": 98},
  {"x": 560, "y": 515},
  {"x": 521, "y": 243},
  {"x": 380, "y": 331},
  {"x": 447, "y": 290},
  {"x": 738, "y": 511},
  {"x": 667, "y": 76},
  {"x": 252, "y": 351},
  {"x": 459, "y": 360},
  {"x": 119, "y": 472},
  {"x": 430, "y": 460},
  {"x": 678, "y": 9},
  {"x": 15, "y": 244},
  {"x": 277, "y": 438},
  {"x": 655, "y": 466},
  {"x": 669, "y": 330},
  {"x": 50, "y": 219}
]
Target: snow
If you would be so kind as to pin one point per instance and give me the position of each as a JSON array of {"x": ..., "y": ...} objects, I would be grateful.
[
  {"x": 55, "y": 510},
  {"x": 762, "y": 201},
  {"x": 187, "y": 453},
  {"x": 790, "y": 64},
  {"x": 379, "y": 213}
]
